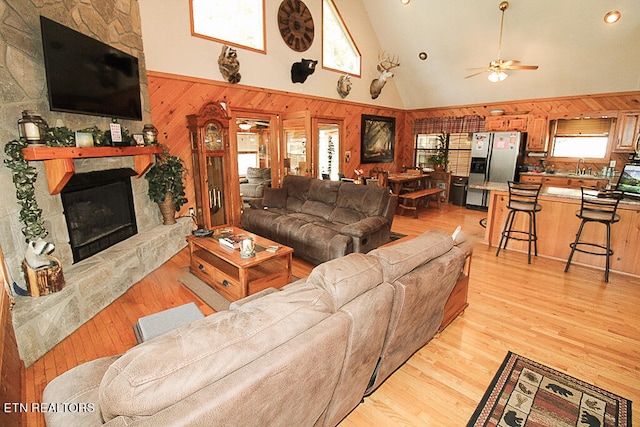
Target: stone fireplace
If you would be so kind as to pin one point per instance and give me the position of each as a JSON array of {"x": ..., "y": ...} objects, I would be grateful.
[
  {"x": 94, "y": 282},
  {"x": 97, "y": 280}
]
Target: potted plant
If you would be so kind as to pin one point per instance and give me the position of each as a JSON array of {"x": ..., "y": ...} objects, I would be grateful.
[
  {"x": 166, "y": 187},
  {"x": 441, "y": 158}
]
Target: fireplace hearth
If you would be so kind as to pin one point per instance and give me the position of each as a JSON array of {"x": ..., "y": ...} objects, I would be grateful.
[{"x": 99, "y": 210}]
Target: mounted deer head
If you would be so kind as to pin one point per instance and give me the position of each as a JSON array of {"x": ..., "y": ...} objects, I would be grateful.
[{"x": 385, "y": 63}]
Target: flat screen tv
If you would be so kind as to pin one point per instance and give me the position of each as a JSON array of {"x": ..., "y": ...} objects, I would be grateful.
[
  {"x": 87, "y": 76},
  {"x": 629, "y": 182}
]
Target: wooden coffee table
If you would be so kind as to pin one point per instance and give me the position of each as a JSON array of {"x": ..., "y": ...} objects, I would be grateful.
[{"x": 232, "y": 276}]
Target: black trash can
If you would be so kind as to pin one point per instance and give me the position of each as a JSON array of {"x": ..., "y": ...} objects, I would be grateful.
[{"x": 458, "y": 194}]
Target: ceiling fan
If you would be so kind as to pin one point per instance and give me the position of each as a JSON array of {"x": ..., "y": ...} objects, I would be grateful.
[
  {"x": 498, "y": 69},
  {"x": 247, "y": 124}
]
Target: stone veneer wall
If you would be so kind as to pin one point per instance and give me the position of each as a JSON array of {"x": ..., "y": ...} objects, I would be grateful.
[
  {"x": 92, "y": 284},
  {"x": 41, "y": 322}
]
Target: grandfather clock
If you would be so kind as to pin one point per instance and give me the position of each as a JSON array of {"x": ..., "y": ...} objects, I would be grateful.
[{"x": 209, "y": 132}]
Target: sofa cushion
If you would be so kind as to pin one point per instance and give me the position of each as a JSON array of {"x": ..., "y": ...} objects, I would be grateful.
[
  {"x": 319, "y": 209},
  {"x": 400, "y": 258},
  {"x": 260, "y": 221},
  {"x": 347, "y": 277},
  {"x": 324, "y": 191},
  {"x": 287, "y": 228},
  {"x": 418, "y": 307},
  {"x": 274, "y": 197},
  {"x": 297, "y": 191},
  {"x": 370, "y": 201},
  {"x": 162, "y": 371},
  {"x": 345, "y": 216},
  {"x": 307, "y": 217}
]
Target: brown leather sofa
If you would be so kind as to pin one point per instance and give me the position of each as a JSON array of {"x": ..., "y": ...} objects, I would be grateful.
[
  {"x": 321, "y": 219},
  {"x": 304, "y": 355}
]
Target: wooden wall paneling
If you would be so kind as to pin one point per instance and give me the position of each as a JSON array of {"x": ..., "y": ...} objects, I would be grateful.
[
  {"x": 173, "y": 97},
  {"x": 561, "y": 105},
  {"x": 12, "y": 371}
]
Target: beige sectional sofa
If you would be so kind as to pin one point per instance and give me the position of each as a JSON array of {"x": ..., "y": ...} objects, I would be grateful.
[
  {"x": 304, "y": 355},
  {"x": 321, "y": 219}
]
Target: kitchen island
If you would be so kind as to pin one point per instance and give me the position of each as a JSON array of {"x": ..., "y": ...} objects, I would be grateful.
[{"x": 557, "y": 226}]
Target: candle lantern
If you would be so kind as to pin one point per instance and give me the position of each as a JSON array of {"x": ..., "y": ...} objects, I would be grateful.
[
  {"x": 33, "y": 129},
  {"x": 150, "y": 134}
]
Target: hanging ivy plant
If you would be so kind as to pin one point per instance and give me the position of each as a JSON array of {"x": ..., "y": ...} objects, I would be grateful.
[
  {"x": 60, "y": 137},
  {"x": 24, "y": 178}
]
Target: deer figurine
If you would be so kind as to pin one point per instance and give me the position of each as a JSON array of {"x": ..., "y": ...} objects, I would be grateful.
[{"x": 385, "y": 63}]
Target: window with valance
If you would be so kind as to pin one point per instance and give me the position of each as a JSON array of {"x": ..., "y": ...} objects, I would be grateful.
[
  {"x": 459, "y": 129},
  {"x": 439, "y": 125}
]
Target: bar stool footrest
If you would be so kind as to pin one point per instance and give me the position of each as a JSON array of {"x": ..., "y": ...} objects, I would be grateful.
[
  {"x": 594, "y": 246},
  {"x": 507, "y": 234}
]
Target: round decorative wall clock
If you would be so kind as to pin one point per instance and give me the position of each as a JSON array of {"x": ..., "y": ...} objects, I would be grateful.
[{"x": 296, "y": 25}]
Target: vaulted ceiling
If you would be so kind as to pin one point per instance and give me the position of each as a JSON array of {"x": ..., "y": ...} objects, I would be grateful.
[{"x": 577, "y": 53}]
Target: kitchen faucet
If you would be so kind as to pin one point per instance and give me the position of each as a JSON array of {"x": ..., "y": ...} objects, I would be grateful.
[{"x": 578, "y": 166}]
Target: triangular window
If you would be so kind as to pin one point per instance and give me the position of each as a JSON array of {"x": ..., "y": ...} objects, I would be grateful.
[
  {"x": 339, "y": 52},
  {"x": 238, "y": 22}
]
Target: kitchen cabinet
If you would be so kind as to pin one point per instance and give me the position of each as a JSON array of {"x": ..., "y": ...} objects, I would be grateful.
[
  {"x": 627, "y": 131},
  {"x": 515, "y": 123},
  {"x": 587, "y": 182},
  {"x": 537, "y": 132},
  {"x": 565, "y": 181}
]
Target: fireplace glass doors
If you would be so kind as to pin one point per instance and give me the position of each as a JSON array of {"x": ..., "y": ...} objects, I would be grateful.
[{"x": 99, "y": 211}]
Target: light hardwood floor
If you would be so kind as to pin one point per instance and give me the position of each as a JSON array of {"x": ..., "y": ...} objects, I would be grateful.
[{"x": 574, "y": 322}]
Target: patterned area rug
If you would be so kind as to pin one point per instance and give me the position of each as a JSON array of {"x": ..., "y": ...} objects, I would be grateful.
[{"x": 525, "y": 393}]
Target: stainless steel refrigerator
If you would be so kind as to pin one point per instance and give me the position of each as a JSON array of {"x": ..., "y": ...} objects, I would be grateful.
[{"x": 495, "y": 157}]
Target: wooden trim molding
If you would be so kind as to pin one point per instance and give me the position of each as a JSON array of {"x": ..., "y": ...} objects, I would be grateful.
[
  {"x": 59, "y": 167},
  {"x": 12, "y": 370}
]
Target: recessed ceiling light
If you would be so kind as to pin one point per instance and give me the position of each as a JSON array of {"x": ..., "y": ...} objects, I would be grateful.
[
  {"x": 405, "y": 1},
  {"x": 422, "y": 55},
  {"x": 612, "y": 17}
]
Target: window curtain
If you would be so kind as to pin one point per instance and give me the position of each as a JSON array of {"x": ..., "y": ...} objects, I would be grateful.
[{"x": 465, "y": 124}]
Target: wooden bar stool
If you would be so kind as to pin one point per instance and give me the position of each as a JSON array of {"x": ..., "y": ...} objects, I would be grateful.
[
  {"x": 523, "y": 197},
  {"x": 598, "y": 206}
]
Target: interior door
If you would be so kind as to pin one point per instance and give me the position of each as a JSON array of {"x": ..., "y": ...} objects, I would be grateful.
[
  {"x": 296, "y": 148},
  {"x": 327, "y": 139},
  {"x": 255, "y": 145}
]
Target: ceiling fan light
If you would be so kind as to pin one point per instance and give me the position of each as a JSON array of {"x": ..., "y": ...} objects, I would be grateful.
[
  {"x": 612, "y": 17},
  {"x": 497, "y": 76}
]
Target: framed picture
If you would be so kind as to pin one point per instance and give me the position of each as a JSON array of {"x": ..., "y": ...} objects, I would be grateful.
[
  {"x": 139, "y": 139},
  {"x": 378, "y": 135},
  {"x": 84, "y": 139}
]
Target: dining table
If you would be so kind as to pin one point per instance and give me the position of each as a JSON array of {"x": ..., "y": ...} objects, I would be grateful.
[{"x": 398, "y": 180}]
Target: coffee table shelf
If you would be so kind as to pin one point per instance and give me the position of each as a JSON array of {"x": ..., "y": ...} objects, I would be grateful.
[{"x": 235, "y": 277}]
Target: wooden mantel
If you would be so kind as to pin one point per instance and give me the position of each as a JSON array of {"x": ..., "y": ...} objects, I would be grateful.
[{"x": 59, "y": 167}]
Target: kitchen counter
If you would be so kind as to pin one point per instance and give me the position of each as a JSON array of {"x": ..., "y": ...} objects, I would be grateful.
[
  {"x": 561, "y": 192},
  {"x": 566, "y": 179},
  {"x": 564, "y": 174},
  {"x": 557, "y": 226}
]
